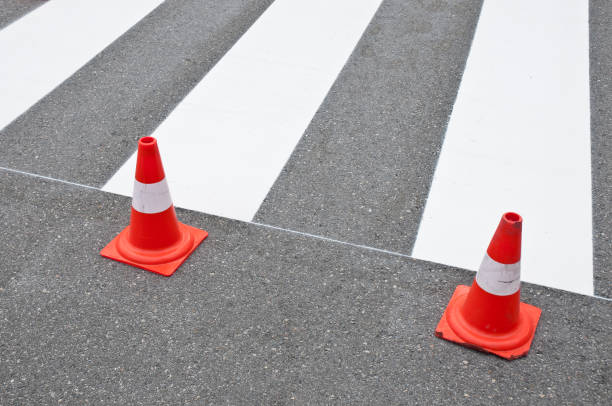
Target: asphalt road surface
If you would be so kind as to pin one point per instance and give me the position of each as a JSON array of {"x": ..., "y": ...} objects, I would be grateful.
[{"x": 316, "y": 299}]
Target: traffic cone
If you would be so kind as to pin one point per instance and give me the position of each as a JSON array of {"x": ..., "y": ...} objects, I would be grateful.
[
  {"x": 155, "y": 240},
  {"x": 489, "y": 315}
]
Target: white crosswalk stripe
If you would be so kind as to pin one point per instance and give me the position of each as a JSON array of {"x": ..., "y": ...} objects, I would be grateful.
[
  {"x": 225, "y": 144},
  {"x": 48, "y": 45},
  {"x": 519, "y": 139}
]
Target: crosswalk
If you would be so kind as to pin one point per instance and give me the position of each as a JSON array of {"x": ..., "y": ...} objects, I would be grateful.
[{"x": 225, "y": 144}]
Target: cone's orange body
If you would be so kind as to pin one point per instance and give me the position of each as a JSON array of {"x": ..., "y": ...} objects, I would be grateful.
[
  {"x": 155, "y": 240},
  {"x": 491, "y": 317}
]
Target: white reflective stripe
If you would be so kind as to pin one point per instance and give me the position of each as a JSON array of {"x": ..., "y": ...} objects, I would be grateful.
[
  {"x": 151, "y": 197},
  {"x": 497, "y": 278}
]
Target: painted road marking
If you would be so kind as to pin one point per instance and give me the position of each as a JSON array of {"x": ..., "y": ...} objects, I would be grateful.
[
  {"x": 48, "y": 45},
  {"x": 519, "y": 140},
  {"x": 226, "y": 143}
]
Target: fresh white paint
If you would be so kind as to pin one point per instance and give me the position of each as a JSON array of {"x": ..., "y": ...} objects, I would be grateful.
[
  {"x": 226, "y": 143},
  {"x": 151, "y": 197},
  {"x": 519, "y": 140},
  {"x": 45, "y": 47}
]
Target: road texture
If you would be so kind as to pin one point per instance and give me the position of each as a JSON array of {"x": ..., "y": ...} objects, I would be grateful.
[
  {"x": 256, "y": 316},
  {"x": 601, "y": 143},
  {"x": 259, "y": 314}
]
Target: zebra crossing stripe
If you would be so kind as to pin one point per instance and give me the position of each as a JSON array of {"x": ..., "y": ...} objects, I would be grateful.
[
  {"x": 227, "y": 141},
  {"x": 45, "y": 47},
  {"x": 519, "y": 139}
]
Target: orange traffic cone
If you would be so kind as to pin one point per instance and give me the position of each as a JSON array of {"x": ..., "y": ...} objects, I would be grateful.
[
  {"x": 154, "y": 240},
  {"x": 489, "y": 316}
]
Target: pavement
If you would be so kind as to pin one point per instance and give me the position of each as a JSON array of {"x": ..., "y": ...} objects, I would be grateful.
[
  {"x": 600, "y": 14},
  {"x": 314, "y": 302},
  {"x": 256, "y": 316}
]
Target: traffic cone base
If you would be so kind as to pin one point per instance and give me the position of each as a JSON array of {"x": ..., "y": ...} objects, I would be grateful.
[
  {"x": 155, "y": 240},
  {"x": 165, "y": 261},
  {"x": 510, "y": 345}
]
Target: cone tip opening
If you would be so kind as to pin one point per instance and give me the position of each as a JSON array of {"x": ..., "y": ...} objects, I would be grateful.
[
  {"x": 147, "y": 144},
  {"x": 146, "y": 141},
  {"x": 512, "y": 218}
]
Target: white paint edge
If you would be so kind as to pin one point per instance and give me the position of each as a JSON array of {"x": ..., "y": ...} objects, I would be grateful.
[{"x": 286, "y": 230}]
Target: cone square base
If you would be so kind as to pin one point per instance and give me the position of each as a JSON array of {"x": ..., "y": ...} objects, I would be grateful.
[
  {"x": 165, "y": 269},
  {"x": 444, "y": 330}
]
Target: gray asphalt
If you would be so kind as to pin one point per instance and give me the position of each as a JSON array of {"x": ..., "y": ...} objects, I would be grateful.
[
  {"x": 256, "y": 316},
  {"x": 89, "y": 125},
  {"x": 362, "y": 170},
  {"x": 600, "y": 15},
  {"x": 11, "y": 10}
]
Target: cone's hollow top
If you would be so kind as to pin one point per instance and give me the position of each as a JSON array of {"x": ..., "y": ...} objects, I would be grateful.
[
  {"x": 149, "y": 167},
  {"x": 505, "y": 246},
  {"x": 512, "y": 218},
  {"x": 147, "y": 144}
]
